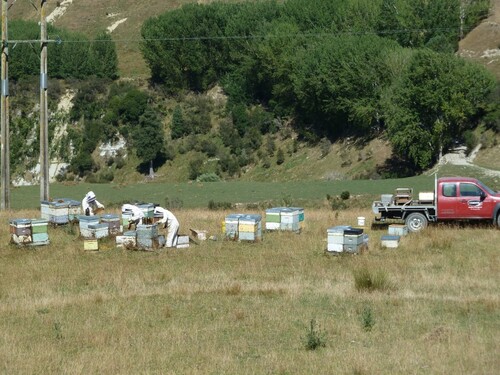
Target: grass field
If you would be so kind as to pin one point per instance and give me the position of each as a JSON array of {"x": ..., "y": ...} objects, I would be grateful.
[
  {"x": 196, "y": 195},
  {"x": 225, "y": 307}
]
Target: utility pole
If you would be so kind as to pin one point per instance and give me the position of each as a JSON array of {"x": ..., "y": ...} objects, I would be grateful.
[
  {"x": 44, "y": 124},
  {"x": 5, "y": 152}
]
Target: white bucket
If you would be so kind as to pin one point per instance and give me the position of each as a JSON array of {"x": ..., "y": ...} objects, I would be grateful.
[{"x": 361, "y": 221}]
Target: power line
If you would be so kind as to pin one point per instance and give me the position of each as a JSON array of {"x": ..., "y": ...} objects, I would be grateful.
[{"x": 58, "y": 40}]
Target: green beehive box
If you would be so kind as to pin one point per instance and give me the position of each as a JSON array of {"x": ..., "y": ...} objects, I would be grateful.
[{"x": 39, "y": 226}]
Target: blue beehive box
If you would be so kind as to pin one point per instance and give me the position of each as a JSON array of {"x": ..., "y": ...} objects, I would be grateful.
[
  {"x": 58, "y": 212},
  {"x": 98, "y": 230},
  {"x": 85, "y": 222}
]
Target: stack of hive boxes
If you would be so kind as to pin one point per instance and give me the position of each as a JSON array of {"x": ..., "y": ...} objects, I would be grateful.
[
  {"x": 39, "y": 231},
  {"x": 285, "y": 218},
  {"x": 60, "y": 211},
  {"x": 347, "y": 239},
  {"x": 92, "y": 228},
  {"x": 74, "y": 210},
  {"x": 147, "y": 237},
  {"x": 29, "y": 231},
  {"x": 243, "y": 227}
]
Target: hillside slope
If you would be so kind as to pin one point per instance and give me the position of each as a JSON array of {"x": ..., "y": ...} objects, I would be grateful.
[{"x": 483, "y": 43}]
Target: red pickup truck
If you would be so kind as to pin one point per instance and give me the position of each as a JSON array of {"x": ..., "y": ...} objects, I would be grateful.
[{"x": 454, "y": 198}]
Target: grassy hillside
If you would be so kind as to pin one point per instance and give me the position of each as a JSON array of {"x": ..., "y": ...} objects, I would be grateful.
[
  {"x": 483, "y": 43},
  {"x": 224, "y": 307}
]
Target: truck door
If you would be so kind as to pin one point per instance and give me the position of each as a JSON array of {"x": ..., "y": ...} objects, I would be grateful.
[
  {"x": 447, "y": 206},
  {"x": 473, "y": 202}
]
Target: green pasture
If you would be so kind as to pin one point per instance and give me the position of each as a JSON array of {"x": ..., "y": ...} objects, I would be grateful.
[{"x": 193, "y": 194}]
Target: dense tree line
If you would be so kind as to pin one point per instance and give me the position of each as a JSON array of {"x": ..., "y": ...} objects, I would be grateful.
[
  {"x": 337, "y": 67},
  {"x": 72, "y": 55}
]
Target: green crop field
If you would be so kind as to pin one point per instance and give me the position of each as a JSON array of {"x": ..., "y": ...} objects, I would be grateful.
[
  {"x": 280, "y": 306},
  {"x": 196, "y": 195}
]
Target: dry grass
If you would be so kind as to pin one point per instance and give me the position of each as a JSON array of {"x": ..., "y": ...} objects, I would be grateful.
[{"x": 224, "y": 307}]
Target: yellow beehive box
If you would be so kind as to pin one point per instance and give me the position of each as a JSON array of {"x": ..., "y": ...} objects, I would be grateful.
[{"x": 90, "y": 244}]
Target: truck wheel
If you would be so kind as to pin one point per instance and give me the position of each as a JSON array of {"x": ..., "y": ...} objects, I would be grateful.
[
  {"x": 416, "y": 222},
  {"x": 498, "y": 221}
]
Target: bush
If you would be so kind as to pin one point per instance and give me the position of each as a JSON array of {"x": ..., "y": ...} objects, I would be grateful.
[
  {"x": 315, "y": 338},
  {"x": 208, "y": 177},
  {"x": 345, "y": 195},
  {"x": 367, "y": 318},
  {"x": 212, "y": 205},
  {"x": 367, "y": 280}
]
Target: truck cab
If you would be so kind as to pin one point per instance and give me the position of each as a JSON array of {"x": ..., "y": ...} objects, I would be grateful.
[{"x": 461, "y": 198}]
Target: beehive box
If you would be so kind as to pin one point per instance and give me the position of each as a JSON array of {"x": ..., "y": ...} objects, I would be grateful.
[
  {"x": 59, "y": 212},
  {"x": 301, "y": 215},
  {"x": 289, "y": 219},
  {"x": 44, "y": 210},
  {"x": 74, "y": 209},
  {"x": 98, "y": 230},
  {"x": 126, "y": 216},
  {"x": 147, "y": 230},
  {"x": 397, "y": 230},
  {"x": 182, "y": 241},
  {"x": 273, "y": 218},
  {"x": 148, "y": 210},
  {"x": 249, "y": 227},
  {"x": 284, "y": 218},
  {"x": 199, "y": 234},
  {"x": 40, "y": 238},
  {"x": 113, "y": 223},
  {"x": 127, "y": 239},
  {"x": 90, "y": 244},
  {"x": 84, "y": 222},
  {"x": 344, "y": 238},
  {"x": 390, "y": 241},
  {"x": 231, "y": 223},
  {"x": 20, "y": 227},
  {"x": 39, "y": 226}
]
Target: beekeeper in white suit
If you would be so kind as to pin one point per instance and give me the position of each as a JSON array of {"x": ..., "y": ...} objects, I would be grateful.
[
  {"x": 90, "y": 204},
  {"x": 170, "y": 222},
  {"x": 137, "y": 214}
]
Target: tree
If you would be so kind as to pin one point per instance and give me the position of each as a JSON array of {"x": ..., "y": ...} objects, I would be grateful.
[
  {"x": 149, "y": 138},
  {"x": 178, "y": 125},
  {"x": 438, "y": 98},
  {"x": 103, "y": 53}
]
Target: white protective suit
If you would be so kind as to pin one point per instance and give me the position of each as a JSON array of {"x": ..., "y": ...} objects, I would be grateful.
[
  {"x": 137, "y": 214},
  {"x": 90, "y": 204},
  {"x": 171, "y": 223}
]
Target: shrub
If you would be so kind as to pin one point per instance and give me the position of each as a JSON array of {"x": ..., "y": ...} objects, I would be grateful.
[
  {"x": 212, "y": 205},
  {"x": 315, "y": 338},
  {"x": 345, "y": 195},
  {"x": 367, "y": 319},
  {"x": 367, "y": 280},
  {"x": 208, "y": 177},
  {"x": 338, "y": 204}
]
